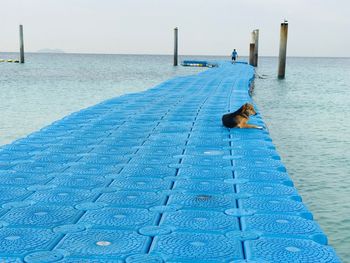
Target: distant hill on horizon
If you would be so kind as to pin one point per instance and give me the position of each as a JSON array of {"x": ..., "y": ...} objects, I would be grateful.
[{"x": 50, "y": 50}]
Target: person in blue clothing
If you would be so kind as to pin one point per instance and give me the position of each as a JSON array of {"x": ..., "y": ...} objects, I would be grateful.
[{"x": 234, "y": 56}]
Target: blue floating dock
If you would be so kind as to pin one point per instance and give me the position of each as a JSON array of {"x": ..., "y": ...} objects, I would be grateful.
[{"x": 155, "y": 177}]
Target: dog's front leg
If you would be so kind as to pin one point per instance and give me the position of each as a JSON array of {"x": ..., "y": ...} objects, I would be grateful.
[{"x": 250, "y": 126}]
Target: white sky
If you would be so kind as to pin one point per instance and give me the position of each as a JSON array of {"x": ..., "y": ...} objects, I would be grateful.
[{"x": 206, "y": 27}]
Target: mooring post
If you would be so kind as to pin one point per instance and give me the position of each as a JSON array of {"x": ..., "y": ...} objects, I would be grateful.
[
  {"x": 251, "y": 54},
  {"x": 256, "y": 48},
  {"x": 255, "y": 41},
  {"x": 283, "y": 50},
  {"x": 175, "y": 45},
  {"x": 21, "y": 45}
]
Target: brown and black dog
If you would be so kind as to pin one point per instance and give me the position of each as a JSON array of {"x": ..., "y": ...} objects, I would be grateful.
[{"x": 240, "y": 117}]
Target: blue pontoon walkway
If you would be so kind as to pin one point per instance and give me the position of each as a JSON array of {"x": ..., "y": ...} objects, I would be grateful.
[{"x": 154, "y": 177}]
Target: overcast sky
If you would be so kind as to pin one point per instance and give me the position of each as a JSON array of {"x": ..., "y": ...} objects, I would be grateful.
[{"x": 206, "y": 27}]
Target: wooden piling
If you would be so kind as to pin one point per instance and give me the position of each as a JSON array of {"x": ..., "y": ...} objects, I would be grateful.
[
  {"x": 21, "y": 44},
  {"x": 283, "y": 50},
  {"x": 175, "y": 46},
  {"x": 255, "y": 41},
  {"x": 251, "y": 54},
  {"x": 256, "y": 48}
]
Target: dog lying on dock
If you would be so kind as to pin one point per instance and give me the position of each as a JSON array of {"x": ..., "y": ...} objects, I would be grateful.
[{"x": 240, "y": 117}]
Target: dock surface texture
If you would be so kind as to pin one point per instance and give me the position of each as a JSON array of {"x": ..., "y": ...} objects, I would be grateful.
[{"x": 155, "y": 177}]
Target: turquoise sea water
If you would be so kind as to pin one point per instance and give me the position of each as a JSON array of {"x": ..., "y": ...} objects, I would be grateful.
[{"x": 307, "y": 113}]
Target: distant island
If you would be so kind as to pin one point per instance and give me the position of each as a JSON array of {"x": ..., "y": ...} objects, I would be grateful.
[{"x": 50, "y": 50}]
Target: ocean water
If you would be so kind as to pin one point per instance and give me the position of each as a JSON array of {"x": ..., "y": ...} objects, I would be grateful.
[{"x": 307, "y": 114}]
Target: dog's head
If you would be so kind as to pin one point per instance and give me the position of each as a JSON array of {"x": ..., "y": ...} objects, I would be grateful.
[{"x": 248, "y": 109}]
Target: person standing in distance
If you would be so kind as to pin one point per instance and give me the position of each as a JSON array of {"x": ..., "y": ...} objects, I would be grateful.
[{"x": 234, "y": 56}]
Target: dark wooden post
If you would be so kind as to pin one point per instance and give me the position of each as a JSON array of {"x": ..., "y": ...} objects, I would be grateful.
[
  {"x": 251, "y": 54},
  {"x": 21, "y": 45},
  {"x": 283, "y": 50},
  {"x": 255, "y": 41},
  {"x": 256, "y": 48},
  {"x": 175, "y": 46}
]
